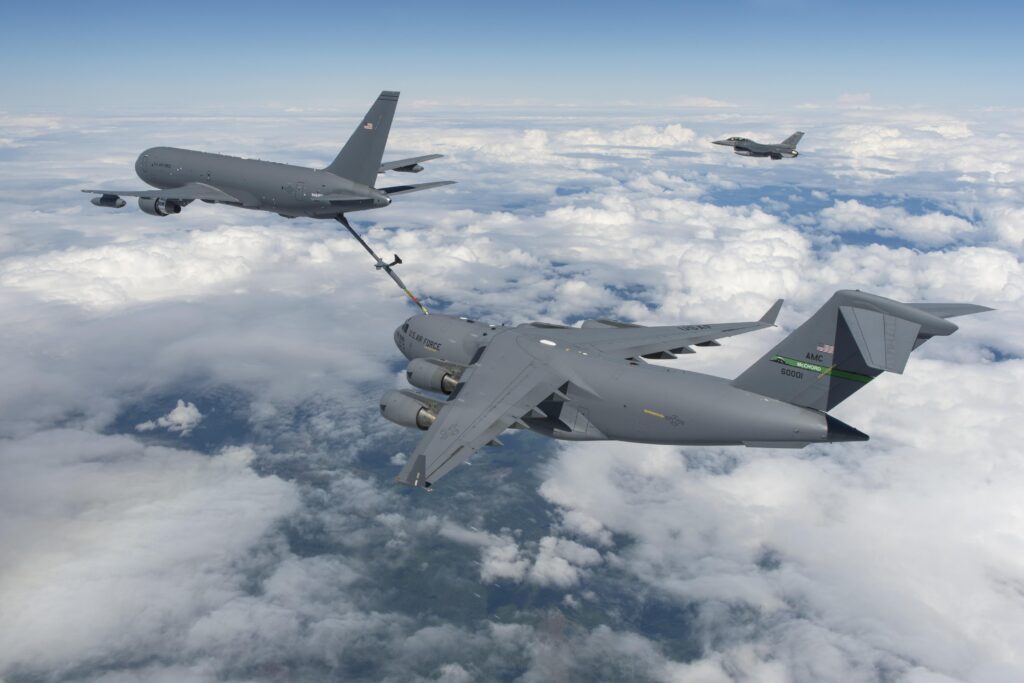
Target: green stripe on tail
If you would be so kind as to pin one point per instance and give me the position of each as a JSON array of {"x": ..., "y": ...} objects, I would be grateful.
[{"x": 822, "y": 369}]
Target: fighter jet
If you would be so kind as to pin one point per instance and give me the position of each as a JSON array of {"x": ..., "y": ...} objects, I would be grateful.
[
  {"x": 749, "y": 148},
  {"x": 181, "y": 176},
  {"x": 591, "y": 383}
]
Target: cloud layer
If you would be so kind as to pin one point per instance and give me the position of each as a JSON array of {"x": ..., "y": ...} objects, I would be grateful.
[{"x": 196, "y": 485}]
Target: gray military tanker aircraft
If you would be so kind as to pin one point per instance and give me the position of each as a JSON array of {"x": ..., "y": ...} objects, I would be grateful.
[
  {"x": 181, "y": 176},
  {"x": 749, "y": 148},
  {"x": 591, "y": 383}
]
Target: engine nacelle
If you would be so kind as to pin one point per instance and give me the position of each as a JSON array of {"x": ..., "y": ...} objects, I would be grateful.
[
  {"x": 408, "y": 409},
  {"x": 428, "y": 374},
  {"x": 110, "y": 201},
  {"x": 159, "y": 207}
]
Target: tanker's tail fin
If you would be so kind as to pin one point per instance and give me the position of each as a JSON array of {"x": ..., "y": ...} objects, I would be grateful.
[
  {"x": 359, "y": 159},
  {"x": 848, "y": 342}
]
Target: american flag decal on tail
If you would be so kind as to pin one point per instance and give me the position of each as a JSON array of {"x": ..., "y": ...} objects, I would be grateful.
[
  {"x": 368, "y": 125},
  {"x": 826, "y": 348}
]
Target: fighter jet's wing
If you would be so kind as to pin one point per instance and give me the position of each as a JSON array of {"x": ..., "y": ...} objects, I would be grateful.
[
  {"x": 505, "y": 384},
  {"x": 186, "y": 192},
  {"x": 402, "y": 189},
  {"x": 630, "y": 341},
  {"x": 411, "y": 165}
]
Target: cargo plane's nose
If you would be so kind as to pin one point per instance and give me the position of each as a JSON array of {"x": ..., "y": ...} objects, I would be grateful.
[{"x": 400, "y": 335}]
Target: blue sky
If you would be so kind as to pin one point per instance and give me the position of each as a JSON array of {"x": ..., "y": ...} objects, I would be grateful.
[{"x": 121, "y": 54}]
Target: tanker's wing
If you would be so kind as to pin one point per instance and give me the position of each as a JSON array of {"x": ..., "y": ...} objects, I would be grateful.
[
  {"x": 630, "y": 341},
  {"x": 505, "y": 384},
  {"x": 187, "y": 192}
]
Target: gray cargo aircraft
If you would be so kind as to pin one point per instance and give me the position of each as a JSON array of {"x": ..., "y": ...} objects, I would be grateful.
[
  {"x": 591, "y": 383},
  {"x": 749, "y": 148},
  {"x": 181, "y": 176}
]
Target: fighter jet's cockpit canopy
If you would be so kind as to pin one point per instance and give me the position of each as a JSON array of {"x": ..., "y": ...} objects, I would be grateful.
[{"x": 737, "y": 139}]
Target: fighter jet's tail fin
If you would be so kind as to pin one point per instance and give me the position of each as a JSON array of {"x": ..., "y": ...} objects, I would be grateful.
[
  {"x": 848, "y": 342},
  {"x": 793, "y": 140},
  {"x": 359, "y": 159}
]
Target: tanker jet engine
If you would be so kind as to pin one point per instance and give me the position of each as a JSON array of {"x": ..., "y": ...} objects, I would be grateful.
[
  {"x": 749, "y": 148},
  {"x": 182, "y": 176},
  {"x": 591, "y": 383}
]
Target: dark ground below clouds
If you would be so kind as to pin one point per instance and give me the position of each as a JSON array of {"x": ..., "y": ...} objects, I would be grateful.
[{"x": 429, "y": 578}]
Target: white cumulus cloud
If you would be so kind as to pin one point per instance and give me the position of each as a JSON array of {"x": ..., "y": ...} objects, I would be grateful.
[
  {"x": 932, "y": 229},
  {"x": 182, "y": 419}
]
